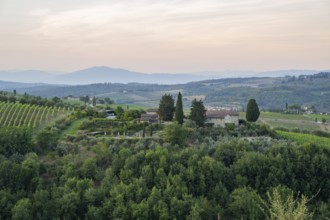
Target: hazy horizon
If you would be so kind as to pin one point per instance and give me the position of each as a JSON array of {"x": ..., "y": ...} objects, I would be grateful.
[
  {"x": 176, "y": 36},
  {"x": 204, "y": 72}
]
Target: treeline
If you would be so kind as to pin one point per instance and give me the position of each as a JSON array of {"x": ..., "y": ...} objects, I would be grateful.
[
  {"x": 97, "y": 89},
  {"x": 101, "y": 112},
  {"x": 212, "y": 175},
  {"x": 32, "y": 100},
  {"x": 321, "y": 75}
]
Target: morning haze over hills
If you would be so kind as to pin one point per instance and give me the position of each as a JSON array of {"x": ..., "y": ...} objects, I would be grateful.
[
  {"x": 101, "y": 74},
  {"x": 229, "y": 89},
  {"x": 200, "y": 109}
]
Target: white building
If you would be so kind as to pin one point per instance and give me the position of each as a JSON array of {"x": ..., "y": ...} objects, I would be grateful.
[{"x": 220, "y": 118}]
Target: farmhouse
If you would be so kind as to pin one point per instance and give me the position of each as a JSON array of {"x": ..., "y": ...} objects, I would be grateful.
[
  {"x": 150, "y": 116},
  {"x": 219, "y": 118}
]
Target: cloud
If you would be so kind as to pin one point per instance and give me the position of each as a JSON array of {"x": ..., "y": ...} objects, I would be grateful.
[
  {"x": 198, "y": 31},
  {"x": 157, "y": 20},
  {"x": 173, "y": 20},
  {"x": 40, "y": 12}
]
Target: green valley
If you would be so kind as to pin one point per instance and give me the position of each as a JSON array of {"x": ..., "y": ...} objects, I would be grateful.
[
  {"x": 62, "y": 159},
  {"x": 271, "y": 93}
]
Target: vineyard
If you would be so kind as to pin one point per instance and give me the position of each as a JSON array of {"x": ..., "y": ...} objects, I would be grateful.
[
  {"x": 305, "y": 138},
  {"x": 26, "y": 115}
]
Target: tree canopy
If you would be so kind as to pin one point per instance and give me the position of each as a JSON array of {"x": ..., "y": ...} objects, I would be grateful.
[
  {"x": 166, "y": 108},
  {"x": 215, "y": 175},
  {"x": 198, "y": 112},
  {"x": 252, "y": 111},
  {"x": 176, "y": 172},
  {"x": 175, "y": 134}
]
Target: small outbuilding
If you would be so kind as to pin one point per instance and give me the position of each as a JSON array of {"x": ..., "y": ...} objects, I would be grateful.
[
  {"x": 150, "y": 116},
  {"x": 219, "y": 118}
]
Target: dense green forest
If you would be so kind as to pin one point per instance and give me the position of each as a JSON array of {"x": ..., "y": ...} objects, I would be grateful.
[
  {"x": 271, "y": 93},
  {"x": 171, "y": 172}
]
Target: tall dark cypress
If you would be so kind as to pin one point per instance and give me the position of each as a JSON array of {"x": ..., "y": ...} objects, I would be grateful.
[
  {"x": 178, "y": 115},
  {"x": 252, "y": 111}
]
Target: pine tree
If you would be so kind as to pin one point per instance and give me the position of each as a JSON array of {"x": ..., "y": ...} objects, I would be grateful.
[
  {"x": 198, "y": 112},
  {"x": 178, "y": 115},
  {"x": 252, "y": 111},
  {"x": 166, "y": 108}
]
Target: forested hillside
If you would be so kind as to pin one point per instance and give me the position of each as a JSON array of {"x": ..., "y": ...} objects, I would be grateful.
[
  {"x": 216, "y": 127},
  {"x": 82, "y": 165},
  {"x": 171, "y": 172},
  {"x": 271, "y": 93}
]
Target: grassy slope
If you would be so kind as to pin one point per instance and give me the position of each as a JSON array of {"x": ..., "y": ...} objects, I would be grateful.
[
  {"x": 73, "y": 128},
  {"x": 306, "y": 138},
  {"x": 291, "y": 121}
]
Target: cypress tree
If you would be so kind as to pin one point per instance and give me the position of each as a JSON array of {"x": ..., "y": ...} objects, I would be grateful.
[
  {"x": 94, "y": 101},
  {"x": 178, "y": 115},
  {"x": 252, "y": 111},
  {"x": 144, "y": 131}
]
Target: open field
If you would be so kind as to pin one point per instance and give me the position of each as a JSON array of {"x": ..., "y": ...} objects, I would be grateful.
[
  {"x": 305, "y": 138},
  {"x": 273, "y": 115},
  {"x": 319, "y": 117},
  {"x": 129, "y": 106},
  {"x": 292, "y": 121},
  {"x": 73, "y": 128}
]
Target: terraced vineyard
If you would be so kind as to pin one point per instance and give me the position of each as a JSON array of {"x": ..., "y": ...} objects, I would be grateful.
[{"x": 26, "y": 115}]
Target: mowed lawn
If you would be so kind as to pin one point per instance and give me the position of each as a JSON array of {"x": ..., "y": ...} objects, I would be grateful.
[
  {"x": 305, "y": 138},
  {"x": 291, "y": 121},
  {"x": 73, "y": 128}
]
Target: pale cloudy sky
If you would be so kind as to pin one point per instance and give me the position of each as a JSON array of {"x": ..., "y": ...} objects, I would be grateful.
[{"x": 165, "y": 35}]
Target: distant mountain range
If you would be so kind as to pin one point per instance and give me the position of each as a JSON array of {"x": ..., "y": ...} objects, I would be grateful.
[
  {"x": 103, "y": 74},
  {"x": 5, "y": 85}
]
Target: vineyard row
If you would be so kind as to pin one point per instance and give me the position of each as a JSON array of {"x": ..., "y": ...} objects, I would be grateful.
[{"x": 18, "y": 115}]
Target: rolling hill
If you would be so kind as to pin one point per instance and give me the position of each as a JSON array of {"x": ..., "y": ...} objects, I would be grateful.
[
  {"x": 103, "y": 74},
  {"x": 270, "y": 93},
  {"x": 107, "y": 74},
  {"x": 5, "y": 85}
]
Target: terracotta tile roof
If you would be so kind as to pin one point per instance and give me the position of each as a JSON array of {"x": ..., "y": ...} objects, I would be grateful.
[
  {"x": 220, "y": 114},
  {"x": 152, "y": 110},
  {"x": 149, "y": 117}
]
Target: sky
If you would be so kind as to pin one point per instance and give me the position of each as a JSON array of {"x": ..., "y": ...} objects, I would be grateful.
[{"x": 165, "y": 35}]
